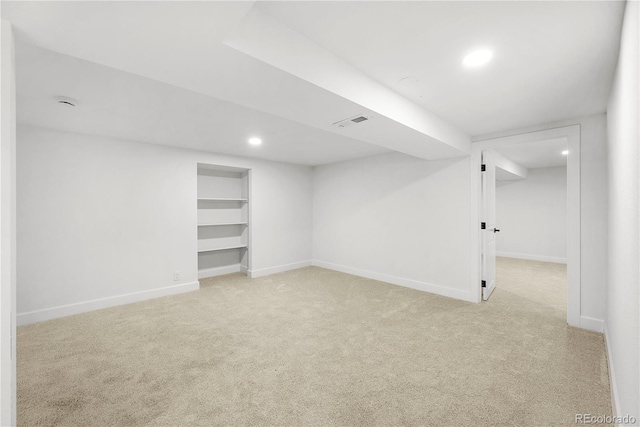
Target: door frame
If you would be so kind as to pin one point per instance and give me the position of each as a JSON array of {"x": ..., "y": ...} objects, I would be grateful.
[{"x": 572, "y": 135}]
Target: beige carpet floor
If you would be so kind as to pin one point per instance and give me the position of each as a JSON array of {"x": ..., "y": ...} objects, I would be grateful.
[{"x": 318, "y": 347}]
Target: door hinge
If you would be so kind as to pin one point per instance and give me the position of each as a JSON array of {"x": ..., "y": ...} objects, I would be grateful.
[
  {"x": 483, "y": 168},
  {"x": 483, "y": 225},
  {"x": 483, "y": 283}
]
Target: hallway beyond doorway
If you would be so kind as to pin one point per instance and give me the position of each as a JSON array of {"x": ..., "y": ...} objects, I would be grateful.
[{"x": 544, "y": 283}]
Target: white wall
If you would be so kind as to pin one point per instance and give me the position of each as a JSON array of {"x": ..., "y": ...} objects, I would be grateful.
[
  {"x": 7, "y": 231},
  {"x": 593, "y": 215},
  {"x": 396, "y": 218},
  {"x": 624, "y": 241},
  {"x": 281, "y": 223},
  {"x": 532, "y": 216},
  {"x": 101, "y": 218}
]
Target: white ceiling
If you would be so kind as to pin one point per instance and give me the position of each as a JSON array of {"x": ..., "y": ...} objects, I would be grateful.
[
  {"x": 540, "y": 154},
  {"x": 122, "y": 105},
  {"x": 552, "y": 59},
  {"x": 179, "y": 73},
  {"x": 545, "y": 153}
]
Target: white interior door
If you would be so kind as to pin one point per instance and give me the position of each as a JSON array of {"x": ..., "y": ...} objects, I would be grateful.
[{"x": 489, "y": 223}]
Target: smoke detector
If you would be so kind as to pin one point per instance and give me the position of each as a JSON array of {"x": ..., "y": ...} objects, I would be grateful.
[{"x": 352, "y": 121}]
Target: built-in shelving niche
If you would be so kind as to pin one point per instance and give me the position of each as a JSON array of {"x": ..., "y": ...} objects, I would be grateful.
[{"x": 223, "y": 220}]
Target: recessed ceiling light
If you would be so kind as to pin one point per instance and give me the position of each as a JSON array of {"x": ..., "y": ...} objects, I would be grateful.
[
  {"x": 477, "y": 58},
  {"x": 255, "y": 141},
  {"x": 565, "y": 152}
]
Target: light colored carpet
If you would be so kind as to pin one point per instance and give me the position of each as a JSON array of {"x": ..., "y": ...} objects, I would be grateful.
[{"x": 318, "y": 347}]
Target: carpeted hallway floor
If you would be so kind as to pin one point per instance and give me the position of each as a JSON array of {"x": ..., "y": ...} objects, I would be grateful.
[{"x": 318, "y": 347}]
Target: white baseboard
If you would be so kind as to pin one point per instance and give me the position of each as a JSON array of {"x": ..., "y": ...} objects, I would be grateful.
[
  {"x": 277, "y": 269},
  {"x": 615, "y": 402},
  {"x": 97, "y": 304},
  {"x": 592, "y": 324},
  {"x": 219, "y": 271},
  {"x": 530, "y": 257},
  {"x": 400, "y": 281}
]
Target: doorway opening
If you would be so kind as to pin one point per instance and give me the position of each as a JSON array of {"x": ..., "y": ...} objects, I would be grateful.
[
  {"x": 500, "y": 158},
  {"x": 528, "y": 221}
]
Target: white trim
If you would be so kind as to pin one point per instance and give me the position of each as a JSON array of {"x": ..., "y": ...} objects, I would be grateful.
[
  {"x": 7, "y": 228},
  {"x": 572, "y": 133},
  {"x": 278, "y": 269},
  {"x": 399, "y": 281},
  {"x": 98, "y": 304},
  {"x": 475, "y": 239},
  {"x": 250, "y": 221},
  {"x": 591, "y": 324},
  {"x": 530, "y": 257},
  {"x": 219, "y": 271},
  {"x": 615, "y": 402}
]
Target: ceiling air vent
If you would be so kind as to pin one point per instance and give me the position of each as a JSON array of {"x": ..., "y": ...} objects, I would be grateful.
[{"x": 352, "y": 121}]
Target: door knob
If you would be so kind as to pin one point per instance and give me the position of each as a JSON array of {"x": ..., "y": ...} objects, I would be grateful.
[{"x": 495, "y": 230}]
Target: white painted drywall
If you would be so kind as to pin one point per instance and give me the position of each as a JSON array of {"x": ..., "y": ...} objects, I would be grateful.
[
  {"x": 397, "y": 218},
  {"x": 265, "y": 38},
  {"x": 7, "y": 230},
  {"x": 593, "y": 205},
  {"x": 506, "y": 169},
  {"x": 532, "y": 216},
  {"x": 101, "y": 218},
  {"x": 281, "y": 212},
  {"x": 593, "y": 215},
  {"x": 624, "y": 219}
]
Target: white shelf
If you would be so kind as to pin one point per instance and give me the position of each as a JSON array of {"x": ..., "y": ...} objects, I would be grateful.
[
  {"x": 213, "y": 224},
  {"x": 223, "y": 227},
  {"x": 217, "y": 199},
  {"x": 222, "y": 248},
  {"x": 223, "y": 269}
]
